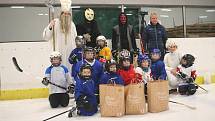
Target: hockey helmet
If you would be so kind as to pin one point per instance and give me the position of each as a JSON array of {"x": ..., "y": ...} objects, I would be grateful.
[
  {"x": 124, "y": 55},
  {"x": 89, "y": 49},
  {"x": 189, "y": 60},
  {"x": 143, "y": 58},
  {"x": 55, "y": 54},
  {"x": 156, "y": 51},
  {"x": 101, "y": 37},
  {"x": 108, "y": 64},
  {"x": 85, "y": 66},
  {"x": 79, "y": 41}
]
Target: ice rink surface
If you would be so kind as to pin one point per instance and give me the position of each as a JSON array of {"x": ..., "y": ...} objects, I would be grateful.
[{"x": 39, "y": 109}]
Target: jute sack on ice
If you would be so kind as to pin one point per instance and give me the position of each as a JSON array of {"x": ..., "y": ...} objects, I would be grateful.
[
  {"x": 135, "y": 99},
  {"x": 112, "y": 100},
  {"x": 158, "y": 96}
]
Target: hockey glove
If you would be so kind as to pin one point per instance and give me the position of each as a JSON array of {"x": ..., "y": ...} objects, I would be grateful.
[
  {"x": 82, "y": 102},
  {"x": 192, "y": 89},
  {"x": 190, "y": 80},
  {"x": 73, "y": 58},
  {"x": 183, "y": 75},
  {"x": 45, "y": 81},
  {"x": 71, "y": 88}
]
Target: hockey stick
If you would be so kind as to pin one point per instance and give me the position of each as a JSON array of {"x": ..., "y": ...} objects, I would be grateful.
[
  {"x": 18, "y": 68},
  {"x": 16, "y": 64},
  {"x": 49, "y": 4},
  {"x": 191, "y": 107},
  {"x": 58, "y": 86},
  {"x": 69, "y": 115},
  {"x": 201, "y": 87},
  {"x": 67, "y": 90}
]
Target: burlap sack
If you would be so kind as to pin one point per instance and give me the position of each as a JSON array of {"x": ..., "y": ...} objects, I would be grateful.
[
  {"x": 112, "y": 101},
  {"x": 135, "y": 99},
  {"x": 158, "y": 96}
]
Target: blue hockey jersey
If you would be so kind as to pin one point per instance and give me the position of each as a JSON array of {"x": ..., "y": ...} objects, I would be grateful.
[
  {"x": 97, "y": 71},
  {"x": 75, "y": 55},
  {"x": 107, "y": 77},
  {"x": 86, "y": 88},
  {"x": 158, "y": 70}
]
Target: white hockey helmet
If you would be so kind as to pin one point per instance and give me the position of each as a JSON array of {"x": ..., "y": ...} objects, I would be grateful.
[
  {"x": 55, "y": 54},
  {"x": 101, "y": 37},
  {"x": 124, "y": 54},
  {"x": 171, "y": 43}
]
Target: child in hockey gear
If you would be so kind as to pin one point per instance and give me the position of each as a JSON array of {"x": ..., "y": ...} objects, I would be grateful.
[
  {"x": 126, "y": 70},
  {"x": 144, "y": 69},
  {"x": 110, "y": 76},
  {"x": 86, "y": 100},
  {"x": 104, "y": 52},
  {"x": 187, "y": 74},
  {"x": 76, "y": 54},
  {"x": 172, "y": 61},
  {"x": 57, "y": 74},
  {"x": 158, "y": 66},
  {"x": 89, "y": 58}
]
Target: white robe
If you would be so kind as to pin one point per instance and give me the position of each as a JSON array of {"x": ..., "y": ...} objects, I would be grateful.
[
  {"x": 60, "y": 45},
  {"x": 172, "y": 61}
]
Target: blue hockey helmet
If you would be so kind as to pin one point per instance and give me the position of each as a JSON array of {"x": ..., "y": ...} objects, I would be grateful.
[
  {"x": 143, "y": 58},
  {"x": 156, "y": 51}
]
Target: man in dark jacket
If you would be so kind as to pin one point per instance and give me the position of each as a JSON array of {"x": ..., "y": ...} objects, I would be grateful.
[
  {"x": 123, "y": 35},
  {"x": 155, "y": 36}
]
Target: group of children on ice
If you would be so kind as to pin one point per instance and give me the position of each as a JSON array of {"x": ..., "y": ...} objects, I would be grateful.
[{"x": 92, "y": 67}]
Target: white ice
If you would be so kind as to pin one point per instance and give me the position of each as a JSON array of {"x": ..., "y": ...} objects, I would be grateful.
[{"x": 39, "y": 109}]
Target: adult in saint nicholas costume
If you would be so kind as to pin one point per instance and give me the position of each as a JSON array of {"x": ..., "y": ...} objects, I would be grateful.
[{"x": 62, "y": 31}]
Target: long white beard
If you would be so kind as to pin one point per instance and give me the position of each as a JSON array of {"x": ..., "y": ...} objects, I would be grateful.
[{"x": 65, "y": 24}]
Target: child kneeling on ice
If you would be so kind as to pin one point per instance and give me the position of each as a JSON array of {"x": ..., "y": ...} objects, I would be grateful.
[
  {"x": 85, "y": 90},
  {"x": 57, "y": 75}
]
